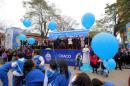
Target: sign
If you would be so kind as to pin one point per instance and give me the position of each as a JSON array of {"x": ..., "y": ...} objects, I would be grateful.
[
  {"x": 68, "y": 55},
  {"x": 128, "y": 33}
]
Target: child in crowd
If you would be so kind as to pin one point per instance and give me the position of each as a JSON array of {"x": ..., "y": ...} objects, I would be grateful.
[
  {"x": 64, "y": 77},
  {"x": 51, "y": 74},
  {"x": 39, "y": 61},
  {"x": 33, "y": 77},
  {"x": 4, "y": 69},
  {"x": 18, "y": 70},
  {"x": 78, "y": 61},
  {"x": 94, "y": 62},
  {"x": 4, "y": 56},
  {"x": 81, "y": 79}
]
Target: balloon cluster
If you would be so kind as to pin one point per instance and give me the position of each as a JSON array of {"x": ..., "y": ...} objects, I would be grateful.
[
  {"x": 22, "y": 37},
  {"x": 105, "y": 45}
]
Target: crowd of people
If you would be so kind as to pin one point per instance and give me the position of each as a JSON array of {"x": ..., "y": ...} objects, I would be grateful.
[
  {"x": 30, "y": 70},
  {"x": 62, "y": 43}
]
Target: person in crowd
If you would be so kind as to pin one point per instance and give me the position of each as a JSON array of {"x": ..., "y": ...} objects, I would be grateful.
[
  {"x": 28, "y": 54},
  {"x": 33, "y": 77},
  {"x": 81, "y": 79},
  {"x": 51, "y": 74},
  {"x": 62, "y": 44},
  {"x": 18, "y": 70},
  {"x": 118, "y": 60},
  {"x": 39, "y": 60},
  {"x": 9, "y": 54},
  {"x": 123, "y": 55},
  {"x": 82, "y": 42},
  {"x": 97, "y": 82},
  {"x": 4, "y": 69},
  {"x": 70, "y": 43},
  {"x": 64, "y": 77},
  {"x": 4, "y": 56},
  {"x": 78, "y": 61},
  {"x": 86, "y": 56},
  {"x": 94, "y": 62},
  {"x": 78, "y": 41}
]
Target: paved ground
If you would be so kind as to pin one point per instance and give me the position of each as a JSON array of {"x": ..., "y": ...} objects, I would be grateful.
[{"x": 120, "y": 78}]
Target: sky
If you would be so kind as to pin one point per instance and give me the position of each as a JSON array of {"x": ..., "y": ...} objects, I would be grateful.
[{"x": 12, "y": 11}]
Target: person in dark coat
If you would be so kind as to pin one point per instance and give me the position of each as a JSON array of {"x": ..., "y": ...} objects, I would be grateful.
[{"x": 118, "y": 60}]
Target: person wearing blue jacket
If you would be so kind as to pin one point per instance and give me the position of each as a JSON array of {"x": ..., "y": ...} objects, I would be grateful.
[
  {"x": 51, "y": 74},
  {"x": 64, "y": 77},
  {"x": 33, "y": 77},
  {"x": 18, "y": 70},
  {"x": 39, "y": 60},
  {"x": 4, "y": 69}
]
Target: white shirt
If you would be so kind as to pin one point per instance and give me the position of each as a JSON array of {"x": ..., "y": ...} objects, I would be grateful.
[
  {"x": 14, "y": 64},
  {"x": 41, "y": 59},
  {"x": 70, "y": 41}
]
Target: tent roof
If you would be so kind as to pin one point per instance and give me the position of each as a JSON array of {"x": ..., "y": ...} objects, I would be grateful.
[{"x": 72, "y": 33}]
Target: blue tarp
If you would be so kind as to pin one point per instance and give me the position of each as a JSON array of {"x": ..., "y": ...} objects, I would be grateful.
[{"x": 79, "y": 33}]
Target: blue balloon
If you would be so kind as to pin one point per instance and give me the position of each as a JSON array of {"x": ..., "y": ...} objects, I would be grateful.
[
  {"x": 110, "y": 64},
  {"x": 22, "y": 37},
  {"x": 88, "y": 20},
  {"x": 31, "y": 41},
  {"x": 52, "y": 25},
  {"x": 27, "y": 22},
  {"x": 105, "y": 45}
]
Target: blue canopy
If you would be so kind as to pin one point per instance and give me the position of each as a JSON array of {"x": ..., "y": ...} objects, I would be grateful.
[{"x": 74, "y": 33}]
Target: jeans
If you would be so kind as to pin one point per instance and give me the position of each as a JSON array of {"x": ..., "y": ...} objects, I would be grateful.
[
  {"x": 4, "y": 79},
  {"x": 17, "y": 80}
]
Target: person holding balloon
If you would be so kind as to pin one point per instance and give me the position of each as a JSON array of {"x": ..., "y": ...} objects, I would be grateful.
[{"x": 105, "y": 46}]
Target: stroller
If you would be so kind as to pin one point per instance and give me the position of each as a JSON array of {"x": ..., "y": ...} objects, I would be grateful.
[{"x": 102, "y": 70}]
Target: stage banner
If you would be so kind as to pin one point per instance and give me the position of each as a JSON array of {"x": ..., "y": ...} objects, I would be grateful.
[
  {"x": 128, "y": 33},
  {"x": 68, "y": 55}
]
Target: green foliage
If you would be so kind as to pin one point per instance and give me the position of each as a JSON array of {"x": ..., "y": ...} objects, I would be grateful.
[{"x": 124, "y": 14}]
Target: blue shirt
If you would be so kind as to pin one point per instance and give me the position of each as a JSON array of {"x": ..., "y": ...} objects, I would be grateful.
[
  {"x": 34, "y": 76},
  {"x": 52, "y": 76},
  {"x": 19, "y": 65},
  {"x": 6, "y": 67},
  {"x": 61, "y": 80}
]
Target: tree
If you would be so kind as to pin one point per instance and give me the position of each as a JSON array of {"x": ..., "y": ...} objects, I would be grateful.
[
  {"x": 123, "y": 7},
  {"x": 40, "y": 13},
  {"x": 67, "y": 23},
  {"x": 111, "y": 12}
]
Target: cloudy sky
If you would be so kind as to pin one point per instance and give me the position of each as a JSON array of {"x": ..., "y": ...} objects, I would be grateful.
[{"x": 11, "y": 11}]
